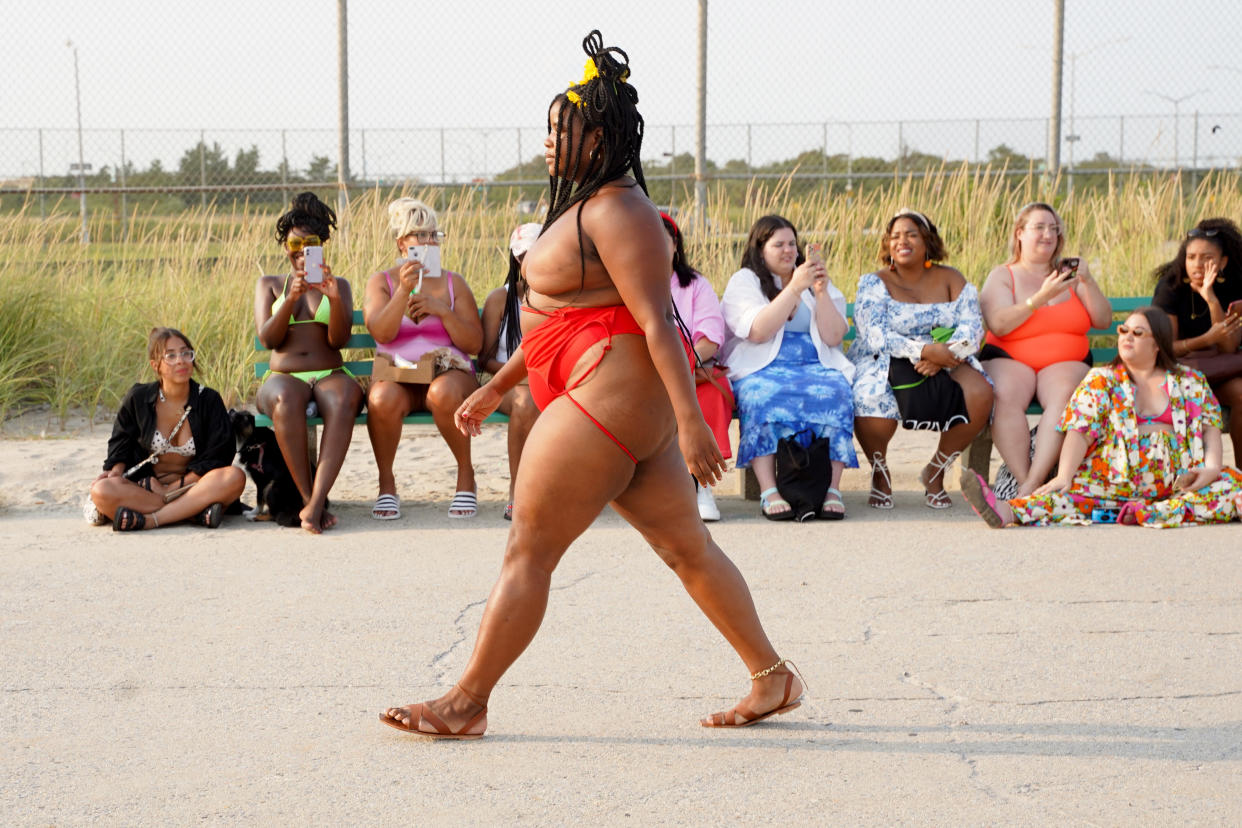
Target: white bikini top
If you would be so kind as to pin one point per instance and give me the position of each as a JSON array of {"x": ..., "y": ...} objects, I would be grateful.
[{"x": 160, "y": 445}]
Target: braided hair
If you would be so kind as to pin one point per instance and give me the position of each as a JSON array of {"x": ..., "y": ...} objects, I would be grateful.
[
  {"x": 604, "y": 100},
  {"x": 509, "y": 319},
  {"x": 308, "y": 213}
]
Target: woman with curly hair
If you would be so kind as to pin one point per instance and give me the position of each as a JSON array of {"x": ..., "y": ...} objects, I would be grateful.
[
  {"x": 1197, "y": 289},
  {"x": 619, "y": 423},
  {"x": 306, "y": 323}
]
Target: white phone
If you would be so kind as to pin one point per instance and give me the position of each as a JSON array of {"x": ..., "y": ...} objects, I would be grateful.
[
  {"x": 313, "y": 264},
  {"x": 430, "y": 257}
]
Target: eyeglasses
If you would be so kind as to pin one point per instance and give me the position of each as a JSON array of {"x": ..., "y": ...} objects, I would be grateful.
[
  {"x": 1137, "y": 333},
  {"x": 295, "y": 244},
  {"x": 186, "y": 355},
  {"x": 1197, "y": 233},
  {"x": 427, "y": 236},
  {"x": 1040, "y": 229}
]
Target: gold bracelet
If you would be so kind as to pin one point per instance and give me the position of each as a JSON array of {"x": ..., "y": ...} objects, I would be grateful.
[
  {"x": 1030, "y": 305},
  {"x": 768, "y": 671}
]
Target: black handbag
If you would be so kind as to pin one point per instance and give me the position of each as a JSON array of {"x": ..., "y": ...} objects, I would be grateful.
[
  {"x": 934, "y": 403},
  {"x": 803, "y": 473}
]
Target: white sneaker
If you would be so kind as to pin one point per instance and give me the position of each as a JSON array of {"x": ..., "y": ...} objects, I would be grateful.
[
  {"x": 91, "y": 513},
  {"x": 707, "y": 505}
]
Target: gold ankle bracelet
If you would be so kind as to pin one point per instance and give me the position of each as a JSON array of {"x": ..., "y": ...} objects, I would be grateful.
[{"x": 769, "y": 670}]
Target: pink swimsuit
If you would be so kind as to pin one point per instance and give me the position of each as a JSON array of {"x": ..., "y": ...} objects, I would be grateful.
[{"x": 415, "y": 339}]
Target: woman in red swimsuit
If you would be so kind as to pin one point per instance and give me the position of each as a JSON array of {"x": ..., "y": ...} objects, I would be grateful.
[
  {"x": 1038, "y": 309},
  {"x": 610, "y": 370}
]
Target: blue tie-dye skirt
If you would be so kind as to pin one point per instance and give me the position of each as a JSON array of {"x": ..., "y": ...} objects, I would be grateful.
[{"x": 792, "y": 393}]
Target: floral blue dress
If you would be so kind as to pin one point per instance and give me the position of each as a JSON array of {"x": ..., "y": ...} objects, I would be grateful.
[
  {"x": 793, "y": 393},
  {"x": 888, "y": 328}
]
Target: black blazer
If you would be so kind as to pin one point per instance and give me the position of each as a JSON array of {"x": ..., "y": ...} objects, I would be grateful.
[{"x": 208, "y": 421}]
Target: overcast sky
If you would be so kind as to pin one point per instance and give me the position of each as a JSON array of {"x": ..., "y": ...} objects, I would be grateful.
[{"x": 226, "y": 64}]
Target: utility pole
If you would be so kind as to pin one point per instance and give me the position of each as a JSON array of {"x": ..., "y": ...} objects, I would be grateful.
[
  {"x": 342, "y": 140},
  {"x": 700, "y": 127},
  {"x": 1054, "y": 121},
  {"x": 77, "y": 91}
]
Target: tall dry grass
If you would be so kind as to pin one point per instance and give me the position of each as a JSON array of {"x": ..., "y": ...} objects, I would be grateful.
[{"x": 74, "y": 319}]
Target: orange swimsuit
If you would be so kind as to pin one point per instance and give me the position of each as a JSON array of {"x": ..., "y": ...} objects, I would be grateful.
[
  {"x": 1054, "y": 333},
  {"x": 554, "y": 347}
]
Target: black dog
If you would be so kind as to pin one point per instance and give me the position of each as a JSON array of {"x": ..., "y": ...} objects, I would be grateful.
[{"x": 259, "y": 454}]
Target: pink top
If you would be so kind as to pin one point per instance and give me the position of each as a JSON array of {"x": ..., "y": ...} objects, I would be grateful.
[
  {"x": 414, "y": 340},
  {"x": 699, "y": 309}
]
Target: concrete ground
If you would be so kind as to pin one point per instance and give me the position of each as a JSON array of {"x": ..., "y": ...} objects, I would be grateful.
[{"x": 958, "y": 675}]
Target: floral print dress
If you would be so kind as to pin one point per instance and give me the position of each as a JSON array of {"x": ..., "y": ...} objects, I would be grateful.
[
  {"x": 1123, "y": 465},
  {"x": 887, "y": 328}
]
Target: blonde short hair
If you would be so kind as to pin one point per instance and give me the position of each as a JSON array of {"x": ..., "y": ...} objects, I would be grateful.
[{"x": 408, "y": 215}]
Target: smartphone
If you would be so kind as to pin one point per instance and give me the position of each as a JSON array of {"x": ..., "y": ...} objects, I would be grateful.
[
  {"x": 313, "y": 264},
  {"x": 1235, "y": 308},
  {"x": 815, "y": 253},
  {"x": 413, "y": 253},
  {"x": 1069, "y": 268}
]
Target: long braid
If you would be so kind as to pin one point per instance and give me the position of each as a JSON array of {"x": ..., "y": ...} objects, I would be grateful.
[{"x": 605, "y": 101}]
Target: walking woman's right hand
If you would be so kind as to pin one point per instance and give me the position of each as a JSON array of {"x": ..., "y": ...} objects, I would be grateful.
[
  {"x": 477, "y": 407},
  {"x": 701, "y": 453}
]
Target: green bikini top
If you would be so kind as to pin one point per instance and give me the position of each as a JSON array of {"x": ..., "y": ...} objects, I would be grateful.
[{"x": 323, "y": 313}]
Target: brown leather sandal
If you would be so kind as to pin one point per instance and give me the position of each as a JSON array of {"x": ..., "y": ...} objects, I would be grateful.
[
  {"x": 729, "y": 718},
  {"x": 420, "y": 713}
]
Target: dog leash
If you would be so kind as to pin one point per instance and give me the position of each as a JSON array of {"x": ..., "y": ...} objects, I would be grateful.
[{"x": 129, "y": 473}]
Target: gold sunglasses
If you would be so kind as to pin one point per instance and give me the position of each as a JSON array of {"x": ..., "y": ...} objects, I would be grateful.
[{"x": 295, "y": 244}]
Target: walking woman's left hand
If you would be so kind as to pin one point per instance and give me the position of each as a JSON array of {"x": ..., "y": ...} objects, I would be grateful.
[
  {"x": 702, "y": 455},
  {"x": 477, "y": 407}
]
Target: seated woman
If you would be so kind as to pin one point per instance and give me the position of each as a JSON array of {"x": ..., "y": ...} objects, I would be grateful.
[
  {"x": 785, "y": 323},
  {"x": 170, "y": 436},
  {"x": 895, "y": 313},
  {"x": 502, "y": 333},
  {"x": 412, "y": 309},
  {"x": 1038, "y": 308},
  {"x": 699, "y": 309},
  {"x": 305, "y": 324},
  {"x": 1197, "y": 289},
  {"x": 1142, "y": 445}
]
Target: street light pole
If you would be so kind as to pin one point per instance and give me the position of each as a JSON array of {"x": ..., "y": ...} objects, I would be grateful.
[
  {"x": 1073, "y": 137},
  {"x": 77, "y": 91},
  {"x": 1177, "y": 105}
]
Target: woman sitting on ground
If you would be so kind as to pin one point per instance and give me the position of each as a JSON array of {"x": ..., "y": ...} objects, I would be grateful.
[
  {"x": 1142, "y": 445},
  {"x": 699, "y": 310},
  {"x": 785, "y": 324},
  {"x": 305, "y": 324},
  {"x": 170, "y": 457},
  {"x": 1197, "y": 289},
  {"x": 412, "y": 309},
  {"x": 1038, "y": 308},
  {"x": 502, "y": 333},
  {"x": 898, "y": 312}
]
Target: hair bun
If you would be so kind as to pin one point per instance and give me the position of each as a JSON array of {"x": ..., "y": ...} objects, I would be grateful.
[{"x": 605, "y": 58}]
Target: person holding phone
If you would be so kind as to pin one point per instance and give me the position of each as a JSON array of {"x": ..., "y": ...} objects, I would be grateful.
[
  {"x": 170, "y": 457},
  {"x": 1201, "y": 289},
  {"x": 1038, "y": 307},
  {"x": 413, "y": 308},
  {"x": 1142, "y": 446},
  {"x": 785, "y": 322},
  {"x": 306, "y": 324}
]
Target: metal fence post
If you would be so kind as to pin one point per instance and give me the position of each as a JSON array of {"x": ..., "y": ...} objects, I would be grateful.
[
  {"x": 42, "y": 208},
  {"x": 976, "y": 140},
  {"x": 1121, "y": 139},
  {"x": 284, "y": 167},
  {"x": 825, "y": 149},
  {"x": 342, "y": 126},
  {"x": 364, "y": 155},
  {"x": 750, "y": 167},
  {"x": 901, "y": 144},
  {"x": 202, "y": 166},
  {"x": 121, "y": 179},
  {"x": 1194, "y": 155},
  {"x": 443, "y": 177},
  {"x": 519, "y": 150}
]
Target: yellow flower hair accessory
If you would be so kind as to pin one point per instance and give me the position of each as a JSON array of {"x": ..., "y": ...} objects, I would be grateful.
[{"x": 589, "y": 73}]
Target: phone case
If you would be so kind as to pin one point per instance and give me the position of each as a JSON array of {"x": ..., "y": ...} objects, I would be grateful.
[{"x": 313, "y": 263}]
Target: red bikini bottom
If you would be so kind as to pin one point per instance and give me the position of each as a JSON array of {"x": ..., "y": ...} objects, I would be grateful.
[{"x": 555, "y": 346}]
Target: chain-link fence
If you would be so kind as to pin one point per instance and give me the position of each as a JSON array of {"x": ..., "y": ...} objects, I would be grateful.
[{"x": 1108, "y": 63}]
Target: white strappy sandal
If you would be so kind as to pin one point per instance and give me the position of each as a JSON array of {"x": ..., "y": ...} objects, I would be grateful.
[
  {"x": 879, "y": 499},
  {"x": 940, "y": 466}
]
